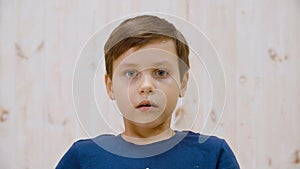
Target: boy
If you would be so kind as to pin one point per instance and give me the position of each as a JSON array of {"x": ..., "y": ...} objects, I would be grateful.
[{"x": 147, "y": 67}]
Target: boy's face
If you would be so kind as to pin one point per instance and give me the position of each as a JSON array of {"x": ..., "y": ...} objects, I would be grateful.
[{"x": 146, "y": 83}]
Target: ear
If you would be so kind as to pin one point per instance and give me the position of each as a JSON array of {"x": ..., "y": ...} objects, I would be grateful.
[
  {"x": 108, "y": 83},
  {"x": 184, "y": 82}
]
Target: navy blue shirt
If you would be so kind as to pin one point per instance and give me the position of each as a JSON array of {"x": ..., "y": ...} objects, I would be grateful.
[{"x": 185, "y": 150}]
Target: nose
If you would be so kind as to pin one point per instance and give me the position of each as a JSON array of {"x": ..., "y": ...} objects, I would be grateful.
[{"x": 146, "y": 85}]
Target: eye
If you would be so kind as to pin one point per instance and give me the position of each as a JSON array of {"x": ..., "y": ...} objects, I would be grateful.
[
  {"x": 131, "y": 73},
  {"x": 161, "y": 73}
]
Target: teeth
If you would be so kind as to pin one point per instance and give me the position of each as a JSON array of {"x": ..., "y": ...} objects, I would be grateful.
[{"x": 146, "y": 105}]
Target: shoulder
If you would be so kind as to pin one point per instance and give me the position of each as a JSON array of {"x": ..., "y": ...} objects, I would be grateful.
[
  {"x": 211, "y": 147},
  {"x": 80, "y": 153},
  {"x": 204, "y": 140},
  {"x": 92, "y": 144}
]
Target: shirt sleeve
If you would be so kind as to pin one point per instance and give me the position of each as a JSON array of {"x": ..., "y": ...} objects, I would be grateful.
[
  {"x": 227, "y": 159},
  {"x": 70, "y": 159}
]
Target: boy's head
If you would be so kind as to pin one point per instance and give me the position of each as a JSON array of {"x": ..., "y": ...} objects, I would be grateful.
[
  {"x": 140, "y": 31},
  {"x": 147, "y": 66}
]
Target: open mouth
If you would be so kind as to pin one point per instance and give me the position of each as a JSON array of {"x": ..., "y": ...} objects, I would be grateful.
[{"x": 146, "y": 105}]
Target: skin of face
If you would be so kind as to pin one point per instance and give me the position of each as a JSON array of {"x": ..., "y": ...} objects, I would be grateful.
[{"x": 146, "y": 85}]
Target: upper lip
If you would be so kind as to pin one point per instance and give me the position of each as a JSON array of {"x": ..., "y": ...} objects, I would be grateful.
[{"x": 146, "y": 103}]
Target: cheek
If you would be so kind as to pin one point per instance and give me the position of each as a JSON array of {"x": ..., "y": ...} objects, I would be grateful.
[
  {"x": 172, "y": 97},
  {"x": 123, "y": 93},
  {"x": 118, "y": 91},
  {"x": 170, "y": 85},
  {"x": 171, "y": 92}
]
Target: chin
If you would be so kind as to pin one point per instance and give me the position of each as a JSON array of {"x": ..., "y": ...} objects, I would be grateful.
[{"x": 152, "y": 124}]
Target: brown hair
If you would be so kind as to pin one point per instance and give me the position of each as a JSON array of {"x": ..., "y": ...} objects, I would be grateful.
[{"x": 140, "y": 31}]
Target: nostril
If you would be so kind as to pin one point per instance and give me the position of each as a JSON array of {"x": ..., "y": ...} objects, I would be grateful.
[{"x": 146, "y": 90}]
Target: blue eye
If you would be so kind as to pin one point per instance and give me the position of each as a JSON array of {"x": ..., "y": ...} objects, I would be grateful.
[
  {"x": 161, "y": 73},
  {"x": 131, "y": 73}
]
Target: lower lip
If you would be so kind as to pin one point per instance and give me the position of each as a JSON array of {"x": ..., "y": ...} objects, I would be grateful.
[{"x": 144, "y": 109}]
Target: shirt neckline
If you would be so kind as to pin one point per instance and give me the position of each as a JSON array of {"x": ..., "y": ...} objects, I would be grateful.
[{"x": 118, "y": 146}]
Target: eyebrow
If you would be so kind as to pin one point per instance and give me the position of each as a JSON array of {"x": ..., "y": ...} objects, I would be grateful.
[
  {"x": 162, "y": 63},
  {"x": 128, "y": 65}
]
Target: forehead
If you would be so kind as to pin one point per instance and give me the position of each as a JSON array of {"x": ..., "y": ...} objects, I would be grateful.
[{"x": 160, "y": 53}]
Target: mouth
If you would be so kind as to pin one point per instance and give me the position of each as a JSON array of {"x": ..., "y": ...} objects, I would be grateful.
[{"x": 146, "y": 105}]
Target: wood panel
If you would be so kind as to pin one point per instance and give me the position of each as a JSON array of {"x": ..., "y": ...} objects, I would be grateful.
[{"x": 258, "y": 43}]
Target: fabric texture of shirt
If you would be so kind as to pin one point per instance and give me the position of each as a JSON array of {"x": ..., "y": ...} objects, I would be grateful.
[{"x": 185, "y": 150}]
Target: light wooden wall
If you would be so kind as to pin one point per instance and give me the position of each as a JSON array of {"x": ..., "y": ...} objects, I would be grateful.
[{"x": 258, "y": 42}]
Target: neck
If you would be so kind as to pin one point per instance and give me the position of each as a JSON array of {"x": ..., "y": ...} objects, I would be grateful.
[{"x": 146, "y": 135}]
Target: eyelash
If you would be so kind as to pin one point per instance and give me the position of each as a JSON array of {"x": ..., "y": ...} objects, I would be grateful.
[
  {"x": 155, "y": 73},
  {"x": 129, "y": 71},
  {"x": 161, "y": 70}
]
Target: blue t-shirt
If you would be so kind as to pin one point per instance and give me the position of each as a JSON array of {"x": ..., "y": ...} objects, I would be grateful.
[{"x": 185, "y": 150}]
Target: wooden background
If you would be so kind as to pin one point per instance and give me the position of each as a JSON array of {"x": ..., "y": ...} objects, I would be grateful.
[{"x": 258, "y": 42}]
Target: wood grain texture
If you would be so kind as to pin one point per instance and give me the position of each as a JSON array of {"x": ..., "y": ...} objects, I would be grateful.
[{"x": 258, "y": 43}]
